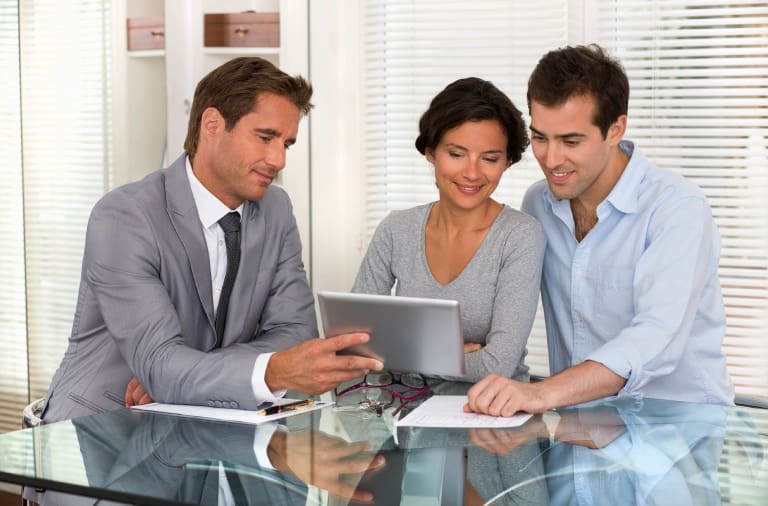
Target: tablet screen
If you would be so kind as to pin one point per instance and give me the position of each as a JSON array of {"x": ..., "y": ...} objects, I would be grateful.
[{"x": 408, "y": 334}]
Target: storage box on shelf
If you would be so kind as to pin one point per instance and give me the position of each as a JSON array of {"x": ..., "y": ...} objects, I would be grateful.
[
  {"x": 244, "y": 29},
  {"x": 147, "y": 32}
]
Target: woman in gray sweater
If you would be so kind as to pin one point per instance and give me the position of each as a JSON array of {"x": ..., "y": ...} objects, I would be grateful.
[{"x": 466, "y": 246}]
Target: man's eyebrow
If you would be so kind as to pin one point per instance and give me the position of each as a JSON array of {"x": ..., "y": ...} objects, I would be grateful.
[
  {"x": 267, "y": 131},
  {"x": 571, "y": 135}
]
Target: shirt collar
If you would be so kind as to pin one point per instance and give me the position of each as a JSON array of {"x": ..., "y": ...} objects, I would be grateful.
[
  {"x": 626, "y": 191},
  {"x": 209, "y": 208}
]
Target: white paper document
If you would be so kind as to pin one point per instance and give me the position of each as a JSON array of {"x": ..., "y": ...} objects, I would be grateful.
[
  {"x": 226, "y": 414},
  {"x": 448, "y": 411}
]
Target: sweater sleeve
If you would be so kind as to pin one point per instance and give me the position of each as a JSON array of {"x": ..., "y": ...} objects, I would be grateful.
[{"x": 375, "y": 274}]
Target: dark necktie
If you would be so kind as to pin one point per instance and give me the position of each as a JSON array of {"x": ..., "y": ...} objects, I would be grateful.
[{"x": 231, "y": 226}]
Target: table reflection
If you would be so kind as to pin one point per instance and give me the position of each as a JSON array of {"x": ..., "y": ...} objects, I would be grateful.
[
  {"x": 620, "y": 451},
  {"x": 647, "y": 452},
  {"x": 182, "y": 459}
]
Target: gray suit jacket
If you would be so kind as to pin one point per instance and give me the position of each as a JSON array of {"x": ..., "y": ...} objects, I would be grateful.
[{"x": 145, "y": 306}]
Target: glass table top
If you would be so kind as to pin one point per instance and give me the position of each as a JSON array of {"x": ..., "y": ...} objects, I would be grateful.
[{"x": 619, "y": 451}]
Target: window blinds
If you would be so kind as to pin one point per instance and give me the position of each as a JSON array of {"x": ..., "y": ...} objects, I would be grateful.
[
  {"x": 413, "y": 49},
  {"x": 57, "y": 150},
  {"x": 699, "y": 75},
  {"x": 13, "y": 360},
  {"x": 699, "y": 106},
  {"x": 65, "y": 146}
]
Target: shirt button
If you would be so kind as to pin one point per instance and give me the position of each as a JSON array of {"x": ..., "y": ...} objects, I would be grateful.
[{"x": 221, "y": 243}]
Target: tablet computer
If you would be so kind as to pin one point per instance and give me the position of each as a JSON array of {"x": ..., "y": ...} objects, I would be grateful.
[{"x": 408, "y": 334}]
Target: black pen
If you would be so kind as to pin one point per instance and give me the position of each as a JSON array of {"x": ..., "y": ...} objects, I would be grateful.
[{"x": 273, "y": 410}]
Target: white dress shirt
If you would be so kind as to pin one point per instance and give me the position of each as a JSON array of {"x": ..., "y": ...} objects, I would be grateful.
[{"x": 210, "y": 210}]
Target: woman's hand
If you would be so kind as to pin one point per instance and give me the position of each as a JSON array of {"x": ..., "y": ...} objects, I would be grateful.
[{"x": 472, "y": 347}]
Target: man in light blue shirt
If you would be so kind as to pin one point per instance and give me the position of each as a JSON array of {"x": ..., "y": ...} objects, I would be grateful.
[{"x": 630, "y": 290}]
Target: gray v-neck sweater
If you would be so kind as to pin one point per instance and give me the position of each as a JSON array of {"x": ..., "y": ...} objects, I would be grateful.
[{"x": 498, "y": 290}]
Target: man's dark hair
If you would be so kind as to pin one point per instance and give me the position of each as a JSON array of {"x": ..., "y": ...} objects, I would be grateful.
[
  {"x": 234, "y": 89},
  {"x": 472, "y": 99},
  {"x": 581, "y": 71}
]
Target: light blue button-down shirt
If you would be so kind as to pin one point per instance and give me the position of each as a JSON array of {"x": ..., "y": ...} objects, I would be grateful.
[{"x": 640, "y": 293}]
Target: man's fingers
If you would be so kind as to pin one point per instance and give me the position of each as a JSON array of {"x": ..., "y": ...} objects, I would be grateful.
[
  {"x": 354, "y": 362},
  {"x": 481, "y": 394},
  {"x": 495, "y": 395},
  {"x": 135, "y": 395},
  {"x": 342, "y": 341},
  {"x": 130, "y": 391}
]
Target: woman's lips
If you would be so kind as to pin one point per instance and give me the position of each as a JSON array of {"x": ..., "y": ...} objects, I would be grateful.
[{"x": 468, "y": 189}]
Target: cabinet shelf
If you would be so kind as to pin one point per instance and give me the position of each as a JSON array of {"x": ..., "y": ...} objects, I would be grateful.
[{"x": 147, "y": 53}]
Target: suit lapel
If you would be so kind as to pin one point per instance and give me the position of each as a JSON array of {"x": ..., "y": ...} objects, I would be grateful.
[
  {"x": 253, "y": 232},
  {"x": 185, "y": 220}
]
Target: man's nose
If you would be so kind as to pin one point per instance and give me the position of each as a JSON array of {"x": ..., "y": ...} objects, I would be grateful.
[
  {"x": 553, "y": 156},
  {"x": 275, "y": 156}
]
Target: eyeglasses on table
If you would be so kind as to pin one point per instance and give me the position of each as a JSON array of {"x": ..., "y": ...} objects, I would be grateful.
[{"x": 379, "y": 390}]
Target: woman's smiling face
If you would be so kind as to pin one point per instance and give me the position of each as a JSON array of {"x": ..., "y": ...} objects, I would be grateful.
[{"x": 469, "y": 161}]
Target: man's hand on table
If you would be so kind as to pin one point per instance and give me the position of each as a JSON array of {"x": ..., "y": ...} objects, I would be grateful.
[{"x": 499, "y": 396}]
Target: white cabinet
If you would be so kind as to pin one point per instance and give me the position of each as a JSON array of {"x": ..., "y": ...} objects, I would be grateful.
[{"x": 153, "y": 90}]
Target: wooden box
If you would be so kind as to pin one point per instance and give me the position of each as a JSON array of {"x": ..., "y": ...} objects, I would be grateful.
[
  {"x": 146, "y": 33},
  {"x": 243, "y": 29}
]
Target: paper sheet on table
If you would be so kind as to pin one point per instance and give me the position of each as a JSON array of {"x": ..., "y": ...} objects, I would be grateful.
[
  {"x": 226, "y": 414},
  {"x": 448, "y": 411}
]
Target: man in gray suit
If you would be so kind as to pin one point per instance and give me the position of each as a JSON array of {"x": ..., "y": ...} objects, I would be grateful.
[{"x": 155, "y": 280}]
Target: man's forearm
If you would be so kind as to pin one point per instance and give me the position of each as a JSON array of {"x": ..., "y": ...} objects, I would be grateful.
[{"x": 581, "y": 383}]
